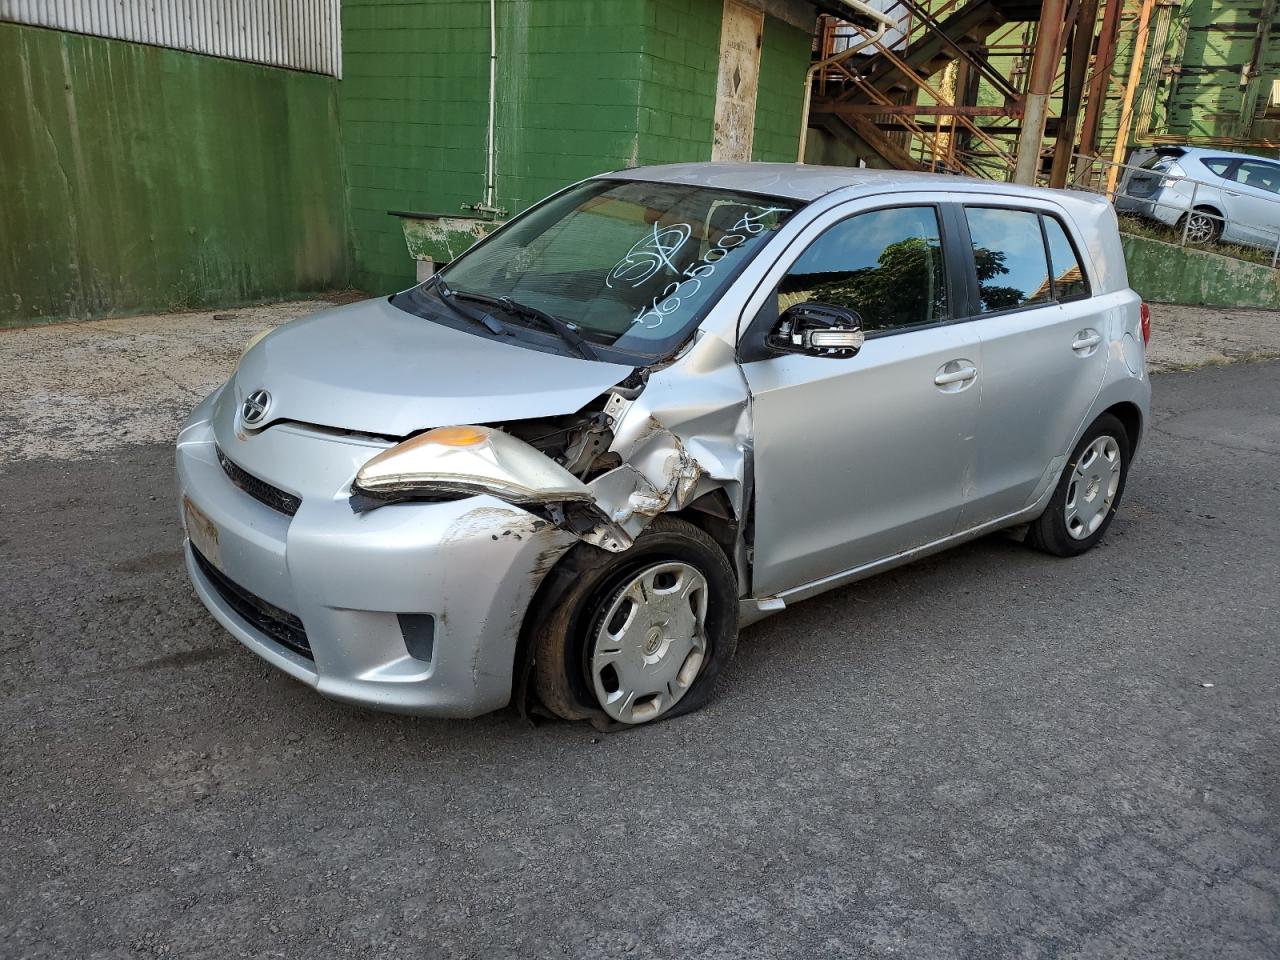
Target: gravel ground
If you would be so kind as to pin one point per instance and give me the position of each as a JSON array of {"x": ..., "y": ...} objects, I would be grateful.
[
  {"x": 77, "y": 389},
  {"x": 991, "y": 753}
]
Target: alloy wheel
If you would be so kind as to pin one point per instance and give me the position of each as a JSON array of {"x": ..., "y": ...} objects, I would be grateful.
[{"x": 1201, "y": 228}]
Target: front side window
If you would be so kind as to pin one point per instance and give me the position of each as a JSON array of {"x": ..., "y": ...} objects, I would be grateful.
[
  {"x": 1009, "y": 252},
  {"x": 885, "y": 265},
  {"x": 634, "y": 265}
]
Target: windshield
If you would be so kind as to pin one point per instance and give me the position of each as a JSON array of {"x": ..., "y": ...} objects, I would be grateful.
[{"x": 633, "y": 265}]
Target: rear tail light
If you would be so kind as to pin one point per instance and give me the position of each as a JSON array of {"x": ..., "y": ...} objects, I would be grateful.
[{"x": 1144, "y": 314}]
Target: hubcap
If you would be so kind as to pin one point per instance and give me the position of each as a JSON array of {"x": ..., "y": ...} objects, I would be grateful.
[
  {"x": 651, "y": 642},
  {"x": 1093, "y": 487},
  {"x": 1200, "y": 228}
]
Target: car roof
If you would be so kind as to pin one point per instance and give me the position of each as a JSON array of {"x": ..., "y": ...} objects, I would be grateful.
[
  {"x": 807, "y": 182},
  {"x": 1093, "y": 215},
  {"x": 1210, "y": 152}
]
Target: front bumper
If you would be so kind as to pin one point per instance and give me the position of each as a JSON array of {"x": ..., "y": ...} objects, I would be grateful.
[{"x": 471, "y": 565}]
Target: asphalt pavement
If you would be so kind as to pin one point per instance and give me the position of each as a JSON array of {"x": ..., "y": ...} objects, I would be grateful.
[{"x": 991, "y": 753}]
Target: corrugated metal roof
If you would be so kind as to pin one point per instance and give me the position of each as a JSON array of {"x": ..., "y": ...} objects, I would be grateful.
[{"x": 298, "y": 34}]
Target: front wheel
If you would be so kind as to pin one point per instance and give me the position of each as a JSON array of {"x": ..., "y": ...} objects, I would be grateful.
[
  {"x": 1088, "y": 492},
  {"x": 640, "y": 635}
]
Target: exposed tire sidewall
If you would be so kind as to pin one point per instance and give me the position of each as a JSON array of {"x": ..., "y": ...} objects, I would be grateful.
[
  {"x": 1052, "y": 527},
  {"x": 565, "y": 637}
]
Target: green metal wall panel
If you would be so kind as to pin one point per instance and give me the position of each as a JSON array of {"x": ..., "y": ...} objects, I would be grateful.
[
  {"x": 1193, "y": 78},
  {"x": 582, "y": 86},
  {"x": 141, "y": 178}
]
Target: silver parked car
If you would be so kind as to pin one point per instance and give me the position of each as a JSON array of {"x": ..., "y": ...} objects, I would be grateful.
[
  {"x": 1210, "y": 194},
  {"x": 659, "y": 405}
]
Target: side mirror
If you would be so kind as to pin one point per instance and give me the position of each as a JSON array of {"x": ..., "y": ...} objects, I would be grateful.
[{"x": 819, "y": 330}]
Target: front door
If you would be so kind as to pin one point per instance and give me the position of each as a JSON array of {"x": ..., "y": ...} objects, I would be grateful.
[{"x": 861, "y": 458}]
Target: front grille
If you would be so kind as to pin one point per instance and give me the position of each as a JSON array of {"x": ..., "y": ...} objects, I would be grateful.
[
  {"x": 280, "y": 625},
  {"x": 260, "y": 490}
]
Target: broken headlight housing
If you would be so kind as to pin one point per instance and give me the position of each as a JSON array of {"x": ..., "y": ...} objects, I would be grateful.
[{"x": 454, "y": 462}]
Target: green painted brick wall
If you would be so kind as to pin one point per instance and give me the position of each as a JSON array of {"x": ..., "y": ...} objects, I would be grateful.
[
  {"x": 141, "y": 178},
  {"x": 582, "y": 86}
]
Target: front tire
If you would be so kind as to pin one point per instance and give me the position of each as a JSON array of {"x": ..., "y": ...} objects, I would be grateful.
[
  {"x": 1088, "y": 492},
  {"x": 640, "y": 635}
]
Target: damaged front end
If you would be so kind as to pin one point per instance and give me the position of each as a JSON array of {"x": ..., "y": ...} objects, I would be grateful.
[{"x": 570, "y": 470}]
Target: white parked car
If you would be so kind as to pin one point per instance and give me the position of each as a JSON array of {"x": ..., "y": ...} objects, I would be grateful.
[
  {"x": 1212, "y": 194},
  {"x": 660, "y": 404}
]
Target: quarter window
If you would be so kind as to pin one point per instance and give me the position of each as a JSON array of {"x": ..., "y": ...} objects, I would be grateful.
[
  {"x": 1069, "y": 281},
  {"x": 1219, "y": 166},
  {"x": 885, "y": 265},
  {"x": 1009, "y": 252}
]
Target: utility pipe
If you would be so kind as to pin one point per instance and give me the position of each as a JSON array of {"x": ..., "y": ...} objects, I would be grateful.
[
  {"x": 1044, "y": 67},
  {"x": 857, "y": 8},
  {"x": 493, "y": 64}
]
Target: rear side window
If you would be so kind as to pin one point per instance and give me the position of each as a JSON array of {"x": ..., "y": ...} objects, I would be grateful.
[
  {"x": 1009, "y": 252},
  {"x": 1069, "y": 281},
  {"x": 886, "y": 265},
  {"x": 1259, "y": 175}
]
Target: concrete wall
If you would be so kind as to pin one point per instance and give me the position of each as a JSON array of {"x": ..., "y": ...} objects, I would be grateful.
[
  {"x": 143, "y": 178},
  {"x": 583, "y": 86},
  {"x": 1166, "y": 273}
]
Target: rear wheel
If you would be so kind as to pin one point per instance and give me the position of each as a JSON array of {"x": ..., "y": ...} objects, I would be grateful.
[
  {"x": 1201, "y": 226},
  {"x": 639, "y": 635},
  {"x": 1088, "y": 492}
]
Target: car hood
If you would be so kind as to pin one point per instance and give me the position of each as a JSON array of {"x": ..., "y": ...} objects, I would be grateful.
[{"x": 373, "y": 368}]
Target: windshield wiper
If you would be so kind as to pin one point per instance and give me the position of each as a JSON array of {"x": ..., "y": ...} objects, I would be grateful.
[
  {"x": 566, "y": 331},
  {"x": 450, "y": 299}
]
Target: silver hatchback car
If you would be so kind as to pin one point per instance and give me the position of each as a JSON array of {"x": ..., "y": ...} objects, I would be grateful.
[{"x": 659, "y": 405}]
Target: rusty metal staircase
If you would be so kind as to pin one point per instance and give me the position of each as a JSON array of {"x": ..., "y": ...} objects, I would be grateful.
[{"x": 864, "y": 102}]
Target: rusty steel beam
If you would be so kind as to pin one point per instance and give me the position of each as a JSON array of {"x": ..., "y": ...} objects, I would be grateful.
[
  {"x": 1073, "y": 90},
  {"x": 1104, "y": 59},
  {"x": 908, "y": 109},
  {"x": 1044, "y": 67}
]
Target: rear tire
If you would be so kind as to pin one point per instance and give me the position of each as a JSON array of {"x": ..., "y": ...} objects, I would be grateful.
[
  {"x": 640, "y": 635},
  {"x": 1088, "y": 492},
  {"x": 1205, "y": 226}
]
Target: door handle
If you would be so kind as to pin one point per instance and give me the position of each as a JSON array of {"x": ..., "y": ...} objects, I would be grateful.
[
  {"x": 955, "y": 376},
  {"x": 1231, "y": 193},
  {"x": 1085, "y": 341}
]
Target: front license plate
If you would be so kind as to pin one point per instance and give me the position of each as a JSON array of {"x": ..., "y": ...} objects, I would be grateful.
[{"x": 201, "y": 531}]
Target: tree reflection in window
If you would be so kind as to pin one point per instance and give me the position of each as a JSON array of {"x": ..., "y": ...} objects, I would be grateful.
[
  {"x": 990, "y": 264},
  {"x": 886, "y": 266}
]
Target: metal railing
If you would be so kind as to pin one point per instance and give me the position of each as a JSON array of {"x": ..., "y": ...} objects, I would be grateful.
[{"x": 1175, "y": 203}]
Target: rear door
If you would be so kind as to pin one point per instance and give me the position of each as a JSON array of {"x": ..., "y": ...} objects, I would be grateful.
[
  {"x": 1043, "y": 352},
  {"x": 860, "y": 458},
  {"x": 1253, "y": 203}
]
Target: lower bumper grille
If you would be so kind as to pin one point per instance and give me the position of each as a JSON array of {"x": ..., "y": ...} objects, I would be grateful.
[
  {"x": 280, "y": 625},
  {"x": 260, "y": 490}
]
